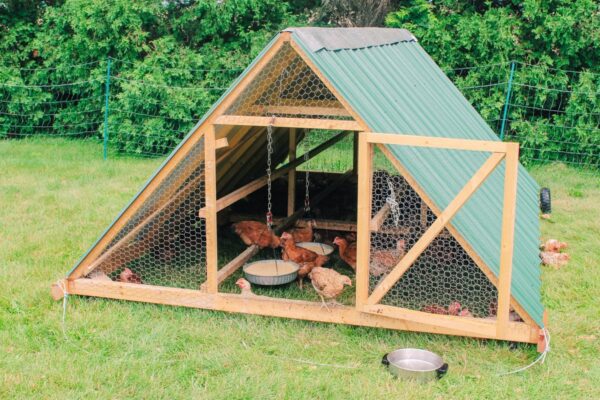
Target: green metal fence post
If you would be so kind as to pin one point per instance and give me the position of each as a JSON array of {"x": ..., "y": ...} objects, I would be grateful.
[
  {"x": 106, "y": 96},
  {"x": 507, "y": 100}
]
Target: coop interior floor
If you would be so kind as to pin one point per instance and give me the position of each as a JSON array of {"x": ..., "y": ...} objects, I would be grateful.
[{"x": 230, "y": 246}]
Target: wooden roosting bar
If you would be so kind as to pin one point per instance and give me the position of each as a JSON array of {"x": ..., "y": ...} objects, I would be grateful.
[{"x": 228, "y": 136}]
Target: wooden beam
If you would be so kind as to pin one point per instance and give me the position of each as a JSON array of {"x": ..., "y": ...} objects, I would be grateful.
[
  {"x": 327, "y": 224},
  {"x": 256, "y": 184},
  {"x": 363, "y": 216},
  {"x": 479, "y": 327},
  {"x": 453, "y": 231},
  {"x": 305, "y": 123},
  {"x": 380, "y": 217},
  {"x": 227, "y": 270},
  {"x": 355, "y": 153},
  {"x": 221, "y": 143},
  {"x": 299, "y": 110},
  {"x": 174, "y": 160},
  {"x": 433, "y": 231},
  {"x": 291, "y": 203},
  {"x": 210, "y": 191},
  {"x": 437, "y": 142},
  {"x": 508, "y": 236},
  {"x": 305, "y": 310}
]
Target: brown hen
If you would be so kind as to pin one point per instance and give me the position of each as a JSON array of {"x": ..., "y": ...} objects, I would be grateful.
[
  {"x": 382, "y": 261},
  {"x": 347, "y": 251},
  {"x": 256, "y": 233},
  {"x": 299, "y": 255}
]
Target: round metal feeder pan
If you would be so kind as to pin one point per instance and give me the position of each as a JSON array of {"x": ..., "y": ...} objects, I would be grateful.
[
  {"x": 288, "y": 272},
  {"x": 319, "y": 248},
  {"x": 416, "y": 364}
]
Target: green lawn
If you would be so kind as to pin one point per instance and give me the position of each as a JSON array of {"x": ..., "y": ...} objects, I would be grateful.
[{"x": 56, "y": 197}]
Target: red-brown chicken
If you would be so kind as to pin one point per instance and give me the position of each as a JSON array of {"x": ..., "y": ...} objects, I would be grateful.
[
  {"x": 299, "y": 255},
  {"x": 256, "y": 233},
  {"x": 347, "y": 251},
  {"x": 555, "y": 260},
  {"x": 128, "y": 276},
  {"x": 553, "y": 245},
  {"x": 382, "y": 261}
]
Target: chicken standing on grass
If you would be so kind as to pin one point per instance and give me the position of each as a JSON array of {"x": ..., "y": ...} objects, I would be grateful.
[
  {"x": 245, "y": 287},
  {"x": 552, "y": 255},
  {"x": 256, "y": 233},
  {"x": 347, "y": 251},
  {"x": 554, "y": 246},
  {"x": 299, "y": 255},
  {"x": 328, "y": 283}
]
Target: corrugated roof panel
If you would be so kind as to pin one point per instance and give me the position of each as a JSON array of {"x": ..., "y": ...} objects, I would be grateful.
[{"x": 397, "y": 88}]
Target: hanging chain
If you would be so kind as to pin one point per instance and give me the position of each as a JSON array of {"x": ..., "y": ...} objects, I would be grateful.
[
  {"x": 269, "y": 153},
  {"x": 394, "y": 206},
  {"x": 306, "y": 179}
]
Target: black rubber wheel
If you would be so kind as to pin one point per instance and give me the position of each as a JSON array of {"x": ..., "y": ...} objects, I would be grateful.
[{"x": 545, "y": 201}]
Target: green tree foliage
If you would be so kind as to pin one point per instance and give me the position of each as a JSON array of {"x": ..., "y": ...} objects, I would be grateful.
[
  {"x": 171, "y": 59},
  {"x": 550, "y": 38}
]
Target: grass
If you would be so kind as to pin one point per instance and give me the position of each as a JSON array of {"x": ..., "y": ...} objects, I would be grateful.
[{"x": 57, "y": 196}]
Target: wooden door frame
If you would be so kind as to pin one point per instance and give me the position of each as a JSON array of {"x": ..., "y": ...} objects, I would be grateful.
[{"x": 499, "y": 151}]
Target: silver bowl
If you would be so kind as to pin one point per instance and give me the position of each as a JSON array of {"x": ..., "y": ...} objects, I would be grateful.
[
  {"x": 416, "y": 364},
  {"x": 319, "y": 248},
  {"x": 253, "y": 276}
]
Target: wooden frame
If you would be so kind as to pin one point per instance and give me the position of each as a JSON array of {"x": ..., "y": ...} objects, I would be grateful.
[
  {"x": 367, "y": 311},
  {"x": 500, "y": 151}
]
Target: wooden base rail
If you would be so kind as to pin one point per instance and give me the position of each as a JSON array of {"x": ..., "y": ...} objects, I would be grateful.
[{"x": 311, "y": 311}]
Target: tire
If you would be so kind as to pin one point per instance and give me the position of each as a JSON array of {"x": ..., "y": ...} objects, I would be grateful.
[{"x": 545, "y": 201}]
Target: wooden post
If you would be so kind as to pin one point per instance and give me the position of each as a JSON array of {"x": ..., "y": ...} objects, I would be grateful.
[
  {"x": 363, "y": 219},
  {"x": 508, "y": 235},
  {"x": 292, "y": 174},
  {"x": 355, "y": 153},
  {"x": 210, "y": 188}
]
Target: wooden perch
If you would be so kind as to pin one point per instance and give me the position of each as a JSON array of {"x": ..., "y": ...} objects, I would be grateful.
[{"x": 378, "y": 218}]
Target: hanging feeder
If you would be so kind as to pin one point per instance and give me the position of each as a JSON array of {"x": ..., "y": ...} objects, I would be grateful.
[{"x": 321, "y": 249}]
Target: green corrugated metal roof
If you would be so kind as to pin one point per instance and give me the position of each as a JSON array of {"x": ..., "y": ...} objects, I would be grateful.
[{"x": 398, "y": 88}]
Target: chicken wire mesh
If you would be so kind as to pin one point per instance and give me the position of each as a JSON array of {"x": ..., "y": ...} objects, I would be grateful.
[
  {"x": 444, "y": 279},
  {"x": 287, "y": 87},
  {"x": 164, "y": 242}
]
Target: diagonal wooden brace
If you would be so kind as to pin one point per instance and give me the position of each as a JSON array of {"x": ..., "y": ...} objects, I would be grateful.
[{"x": 438, "y": 225}]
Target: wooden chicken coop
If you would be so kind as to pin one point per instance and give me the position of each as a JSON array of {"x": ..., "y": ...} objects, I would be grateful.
[{"x": 421, "y": 172}]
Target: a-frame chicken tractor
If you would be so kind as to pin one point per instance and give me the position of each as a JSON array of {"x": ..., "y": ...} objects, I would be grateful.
[{"x": 437, "y": 215}]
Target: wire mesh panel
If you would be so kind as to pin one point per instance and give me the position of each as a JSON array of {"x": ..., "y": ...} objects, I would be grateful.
[
  {"x": 164, "y": 243},
  {"x": 444, "y": 279},
  {"x": 287, "y": 87}
]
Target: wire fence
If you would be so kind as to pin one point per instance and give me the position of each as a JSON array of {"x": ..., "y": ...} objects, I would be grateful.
[{"x": 137, "y": 109}]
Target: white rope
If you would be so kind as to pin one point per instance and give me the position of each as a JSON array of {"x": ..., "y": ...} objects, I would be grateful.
[
  {"x": 314, "y": 363},
  {"x": 394, "y": 206},
  {"x": 541, "y": 358},
  {"x": 62, "y": 287}
]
